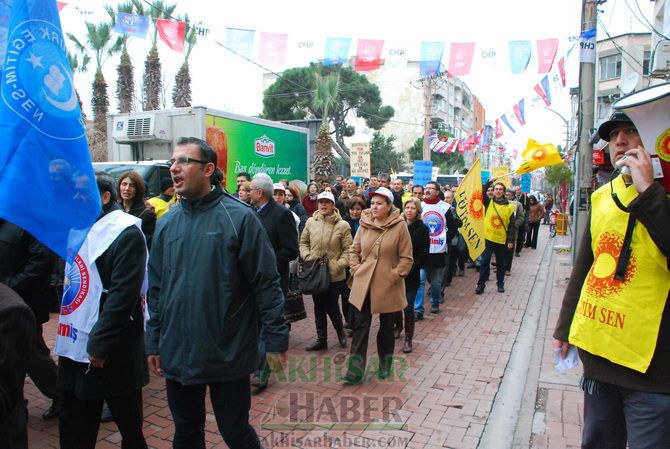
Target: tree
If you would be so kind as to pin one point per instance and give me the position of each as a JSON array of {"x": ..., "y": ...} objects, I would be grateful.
[
  {"x": 152, "y": 80},
  {"x": 556, "y": 175},
  {"x": 325, "y": 99},
  {"x": 447, "y": 162},
  {"x": 181, "y": 94},
  {"x": 290, "y": 98},
  {"x": 78, "y": 65},
  {"x": 383, "y": 157},
  {"x": 125, "y": 82}
]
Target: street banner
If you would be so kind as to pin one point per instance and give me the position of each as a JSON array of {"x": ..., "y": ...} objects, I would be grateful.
[
  {"x": 537, "y": 155},
  {"x": 272, "y": 50},
  {"x": 519, "y": 55},
  {"x": 469, "y": 202},
  {"x": 423, "y": 172},
  {"x": 395, "y": 54},
  {"x": 337, "y": 50},
  {"x": 506, "y": 122},
  {"x": 132, "y": 25},
  {"x": 499, "y": 130},
  {"x": 587, "y": 46},
  {"x": 546, "y": 52},
  {"x": 460, "y": 58},
  {"x": 359, "y": 157},
  {"x": 519, "y": 112},
  {"x": 501, "y": 173},
  {"x": 172, "y": 33},
  {"x": 240, "y": 41},
  {"x": 431, "y": 57},
  {"x": 368, "y": 55},
  {"x": 525, "y": 183},
  {"x": 47, "y": 183},
  {"x": 561, "y": 70}
]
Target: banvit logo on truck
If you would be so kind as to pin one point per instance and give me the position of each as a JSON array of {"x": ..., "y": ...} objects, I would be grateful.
[{"x": 264, "y": 147}]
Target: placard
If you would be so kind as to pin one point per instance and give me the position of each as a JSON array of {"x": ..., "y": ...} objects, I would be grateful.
[
  {"x": 360, "y": 159},
  {"x": 423, "y": 172}
]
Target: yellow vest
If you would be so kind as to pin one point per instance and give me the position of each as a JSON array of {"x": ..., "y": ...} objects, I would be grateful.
[
  {"x": 160, "y": 205},
  {"x": 619, "y": 320},
  {"x": 497, "y": 218}
]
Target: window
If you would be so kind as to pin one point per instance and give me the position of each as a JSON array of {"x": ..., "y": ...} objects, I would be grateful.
[
  {"x": 610, "y": 67},
  {"x": 645, "y": 62},
  {"x": 604, "y": 105}
]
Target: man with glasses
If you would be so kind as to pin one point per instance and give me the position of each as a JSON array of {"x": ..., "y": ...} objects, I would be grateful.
[
  {"x": 615, "y": 309},
  {"x": 500, "y": 235},
  {"x": 212, "y": 279}
]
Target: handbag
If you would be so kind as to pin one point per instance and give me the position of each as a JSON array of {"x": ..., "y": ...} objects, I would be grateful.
[
  {"x": 314, "y": 275},
  {"x": 294, "y": 306}
]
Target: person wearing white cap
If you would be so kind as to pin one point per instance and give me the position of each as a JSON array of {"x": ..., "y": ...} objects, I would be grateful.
[
  {"x": 326, "y": 233},
  {"x": 381, "y": 257}
]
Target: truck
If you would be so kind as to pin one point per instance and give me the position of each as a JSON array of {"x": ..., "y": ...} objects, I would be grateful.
[{"x": 242, "y": 144}]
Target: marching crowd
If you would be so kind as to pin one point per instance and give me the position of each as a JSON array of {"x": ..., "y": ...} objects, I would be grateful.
[{"x": 193, "y": 285}]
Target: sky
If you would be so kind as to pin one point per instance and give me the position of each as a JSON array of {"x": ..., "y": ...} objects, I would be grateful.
[{"x": 224, "y": 81}]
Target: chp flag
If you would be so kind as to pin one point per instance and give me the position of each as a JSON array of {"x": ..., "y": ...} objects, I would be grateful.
[
  {"x": 470, "y": 209},
  {"x": 46, "y": 177}
]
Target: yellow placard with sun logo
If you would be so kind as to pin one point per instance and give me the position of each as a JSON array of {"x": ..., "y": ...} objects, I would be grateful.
[
  {"x": 663, "y": 145},
  {"x": 620, "y": 319},
  {"x": 469, "y": 203},
  {"x": 537, "y": 155}
]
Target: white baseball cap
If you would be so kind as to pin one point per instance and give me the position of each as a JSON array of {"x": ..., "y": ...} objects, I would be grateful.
[
  {"x": 383, "y": 191},
  {"x": 279, "y": 186},
  {"x": 326, "y": 195}
]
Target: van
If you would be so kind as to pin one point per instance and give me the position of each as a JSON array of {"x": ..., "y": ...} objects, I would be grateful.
[{"x": 151, "y": 171}]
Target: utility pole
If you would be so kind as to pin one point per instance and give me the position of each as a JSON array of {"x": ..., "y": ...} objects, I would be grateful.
[{"x": 584, "y": 156}]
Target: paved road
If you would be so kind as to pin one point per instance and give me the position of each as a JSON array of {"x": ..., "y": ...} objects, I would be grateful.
[{"x": 480, "y": 376}]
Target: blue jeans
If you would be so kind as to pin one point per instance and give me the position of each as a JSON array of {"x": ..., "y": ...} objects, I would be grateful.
[
  {"x": 614, "y": 415},
  {"x": 231, "y": 402},
  {"x": 418, "y": 299},
  {"x": 436, "y": 279}
]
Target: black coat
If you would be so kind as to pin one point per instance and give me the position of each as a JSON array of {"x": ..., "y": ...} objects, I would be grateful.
[
  {"x": 352, "y": 224},
  {"x": 17, "y": 330},
  {"x": 118, "y": 336},
  {"x": 26, "y": 266},
  {"x": 420, "y": 236},
  {"x": 279, "y": 225},
  {"x": 148, "y": 217}
]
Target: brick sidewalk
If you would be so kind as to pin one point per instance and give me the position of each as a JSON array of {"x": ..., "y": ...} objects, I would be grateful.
[{"x": 441, "y": 395}]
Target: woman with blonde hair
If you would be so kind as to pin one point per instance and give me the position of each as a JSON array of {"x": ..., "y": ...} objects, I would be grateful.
[{"x": 381, "y": 257}]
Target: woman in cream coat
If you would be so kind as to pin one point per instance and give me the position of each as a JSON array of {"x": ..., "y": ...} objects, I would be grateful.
[{"x": 381, "y": 257}]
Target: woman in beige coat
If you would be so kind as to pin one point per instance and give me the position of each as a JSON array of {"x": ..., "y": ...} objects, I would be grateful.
[
  {"x": 326, "y": 232},
  {"x": 381, "y": 257}
]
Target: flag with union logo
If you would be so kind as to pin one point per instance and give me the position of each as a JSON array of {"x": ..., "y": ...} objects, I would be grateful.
[
  {"x": 537, "y": 155},
  {"x": 470, "y": 209},
  {"x": 47, "y": 184}
]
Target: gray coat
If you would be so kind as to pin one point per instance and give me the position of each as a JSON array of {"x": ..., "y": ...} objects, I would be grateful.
[{"x": 212, "y": 279}]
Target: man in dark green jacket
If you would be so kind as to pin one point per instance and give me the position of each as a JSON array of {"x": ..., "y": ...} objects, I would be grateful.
[{"x": 210, "y": 283}]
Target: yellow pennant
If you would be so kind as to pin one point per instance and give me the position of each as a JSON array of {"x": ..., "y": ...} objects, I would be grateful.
[
  {"x": 470, "y": 208},
  {"x": 537, "y": 155}
]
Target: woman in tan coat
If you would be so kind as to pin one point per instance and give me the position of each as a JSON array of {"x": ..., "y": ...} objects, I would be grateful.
[
  {"x": 381, "y": 258},
  {"x": 326, "y": 232}
]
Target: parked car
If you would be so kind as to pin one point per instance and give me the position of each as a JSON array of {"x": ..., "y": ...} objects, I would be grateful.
[{"x": 151, "y": 171}]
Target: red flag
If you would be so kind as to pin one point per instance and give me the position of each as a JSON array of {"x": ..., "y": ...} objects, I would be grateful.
[
  {"x": 561, "y": 70},
  {"x": 546, "y": 52},
  {"x": 368, "y": 55},
  {"x": 519, "y": 112},
  {"x": 172, "y": 33},
  {"x": 452, "y": 146},
  {"x": 460, "y": 58},
  {"x": 542, "y": 94},
  {"x": 499, "y": 130},
  {"x": 461, "y": 146},
  {"x": 273, "y": 48},
  {"x": 61, "y": 5}
]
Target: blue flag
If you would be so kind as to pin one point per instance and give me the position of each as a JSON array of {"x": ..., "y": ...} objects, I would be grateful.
[
  {"x": 132, "y": 25},
  {"x": 519, "y": 55},
  {"x": 337, "y": 50},
  {"x": 47, "y": 183},
  {"x": 431, "y": 57}
]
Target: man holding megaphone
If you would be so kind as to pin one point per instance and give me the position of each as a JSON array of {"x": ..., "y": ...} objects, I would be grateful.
[{"x": 614, "y": 309}]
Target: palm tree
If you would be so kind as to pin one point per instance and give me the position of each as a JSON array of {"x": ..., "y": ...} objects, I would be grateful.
[
  {"x": 181, "y": 94},
  {"x": 151, "y": 80},
  {"x": 325, "y": 98},
  {"x": 99, "y": 40},
  {"x": 80, "y": 66},
  {"x": 125, "y": 83}
]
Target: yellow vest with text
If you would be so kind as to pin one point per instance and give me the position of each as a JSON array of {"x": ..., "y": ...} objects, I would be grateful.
[
  {"x": 497, "y": 218},
  {"x": 620, "y": 320}
]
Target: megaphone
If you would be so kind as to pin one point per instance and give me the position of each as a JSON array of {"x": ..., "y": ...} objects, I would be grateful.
[{"x": 649, "y": 109}]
